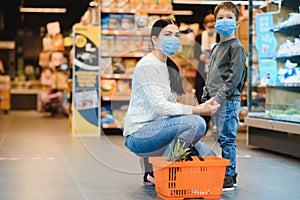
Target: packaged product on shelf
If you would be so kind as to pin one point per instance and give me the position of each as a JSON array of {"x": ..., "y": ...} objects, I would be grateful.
[
  {"x": 57, "y": 42},
  {"x": 134, "y": 43},
  {"x": 118, "y": 66},
  {"x": 114, "y": 22},
  {"x": 140, "y": 20},
  {"x": 123, "y": 88},
  {"x": 152, "y": 19},
  {"x": 53, "y": 28},
  {"x": 135, "y": 4},
  {"x": 108, "y": 86},
  {"x": 109, "y": 4},
  {"x": 124, "y": 4},
  {"x": 121, "y": 43},
  {"x": 44, "y": 58},
  {"x": 105, "y": 22},
  {"x": 119, "y": 115},
  {"x": 149, "y": 4},
  {"x": 107, "y": 115},
  {"x": 57, "y": 58},
  {"x": 106, "y": 65},
  {"x": 46, "y": 41},
  {"x": 127, "y": 21},
  {"x": 288, "y": 48},
  {"x": 146, "y": 44},
  {"x": 130, "y": 65},
  {"x": 290, "y": 73},
  {"x": 164, "y": 4},
  {"x": 107, "y": 43},
  {"x": 294, "y": 19}
]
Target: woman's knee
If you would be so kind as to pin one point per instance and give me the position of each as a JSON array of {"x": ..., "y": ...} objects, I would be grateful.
[
  {"x": 198, "y": 122},
  {"x": 197, "y": 125}
]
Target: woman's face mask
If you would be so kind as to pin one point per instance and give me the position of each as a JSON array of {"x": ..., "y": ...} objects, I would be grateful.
[
  {"x": 170, "y": 45},
  {"x": 168, "y": 40},
  {"x": 226, "y": 26}
]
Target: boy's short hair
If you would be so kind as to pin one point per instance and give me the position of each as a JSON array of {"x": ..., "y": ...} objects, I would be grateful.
[{"x": 227, "y": 5}]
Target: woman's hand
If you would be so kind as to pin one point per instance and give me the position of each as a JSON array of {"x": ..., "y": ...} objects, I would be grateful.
[{"x": 209, "y": 108}]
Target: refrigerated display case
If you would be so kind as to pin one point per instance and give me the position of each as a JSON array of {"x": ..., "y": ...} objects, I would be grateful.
[{"x": 273, "y": 121}]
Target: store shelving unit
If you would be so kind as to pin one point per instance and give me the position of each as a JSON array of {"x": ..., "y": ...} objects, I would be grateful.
[
  {"x": 274, "y": 118},
  {"x": 115, "y": 99}
]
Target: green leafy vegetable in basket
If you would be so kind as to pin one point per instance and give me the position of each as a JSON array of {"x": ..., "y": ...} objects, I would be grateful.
[{"x": 178, "y": 152}]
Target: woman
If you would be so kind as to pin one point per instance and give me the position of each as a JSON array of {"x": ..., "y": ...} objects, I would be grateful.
[{"x": 155, "y": 119}]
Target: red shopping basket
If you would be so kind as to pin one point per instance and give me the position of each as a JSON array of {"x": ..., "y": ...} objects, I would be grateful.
[{"x": 189, "y": 179}]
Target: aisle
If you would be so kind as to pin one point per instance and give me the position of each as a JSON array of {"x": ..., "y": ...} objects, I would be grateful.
[{"x": 39, "y": 159}]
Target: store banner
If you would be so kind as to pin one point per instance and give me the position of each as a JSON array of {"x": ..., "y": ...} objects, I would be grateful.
[
  {"x": 266, "y": 48},
  {"x": 85, "y": 106}
]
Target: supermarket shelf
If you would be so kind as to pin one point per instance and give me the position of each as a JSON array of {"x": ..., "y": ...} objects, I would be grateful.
[
  {"x": 292, "y": 58},
  {"x": 124, "y": 54},
  {"x": 115, "y": 98},
  {"x": 126, "y": 32},
  {"x": 284, "y": 85},
  {"x": 273, "y": 125},
  {"x": 289, "y": 30},
  {"x": 149, "y": 11},
  {"x": 25, "y": 91},
  {"x": 116, "y": 76}
]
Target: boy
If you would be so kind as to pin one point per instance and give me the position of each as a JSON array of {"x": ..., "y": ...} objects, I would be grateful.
[{"x": 224, "y": 81}]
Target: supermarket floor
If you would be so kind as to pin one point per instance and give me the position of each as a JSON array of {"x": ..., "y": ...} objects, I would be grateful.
[{"x": 41, "y": 160}]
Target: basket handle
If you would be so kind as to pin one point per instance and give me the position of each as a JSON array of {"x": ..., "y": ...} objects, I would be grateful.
[{"x": 196, "y": 152}]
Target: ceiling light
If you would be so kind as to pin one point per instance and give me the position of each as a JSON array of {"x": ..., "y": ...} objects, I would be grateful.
[
  {"x": 182, "y": 12},
  {"x": 43, "y": 10},
  {"x": 214, "y": 2}
]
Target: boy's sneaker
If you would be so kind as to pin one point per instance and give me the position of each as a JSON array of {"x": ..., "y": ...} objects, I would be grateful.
[
  {"x": 228, "y": 184},
  {"x": 148, "y": 179},
  {"x": 234, "y": 180}
]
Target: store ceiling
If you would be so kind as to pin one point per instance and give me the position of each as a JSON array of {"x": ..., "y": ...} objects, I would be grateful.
[{"x": 11, "y": 19}]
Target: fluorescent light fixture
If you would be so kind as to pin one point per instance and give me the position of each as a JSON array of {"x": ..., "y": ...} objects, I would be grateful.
[
  {"x": 182, "y": 12},
  {"x": 7, "y": 44},
  {"x": 43, "y": 10},
  {"x": 214, "y": 2}
]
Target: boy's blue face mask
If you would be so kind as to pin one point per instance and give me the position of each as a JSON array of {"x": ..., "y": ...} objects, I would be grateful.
[
  {"x": 226, "y": 26},
  {"x": 170, "y": 45}
]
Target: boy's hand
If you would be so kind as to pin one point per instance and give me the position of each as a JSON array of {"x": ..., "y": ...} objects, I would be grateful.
[{"x": 209, "y": 108}]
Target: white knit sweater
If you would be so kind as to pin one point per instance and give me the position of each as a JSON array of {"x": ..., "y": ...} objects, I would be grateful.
[{"x": 151, "y": 97}]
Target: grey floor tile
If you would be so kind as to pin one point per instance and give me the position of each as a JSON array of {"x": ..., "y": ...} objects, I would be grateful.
[{"x": 102, "y": 168}]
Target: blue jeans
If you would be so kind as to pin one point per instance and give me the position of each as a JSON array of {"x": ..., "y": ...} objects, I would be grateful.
[
  {"x": 226, "y": 120},
  {"x": 154, "y": 138}
]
